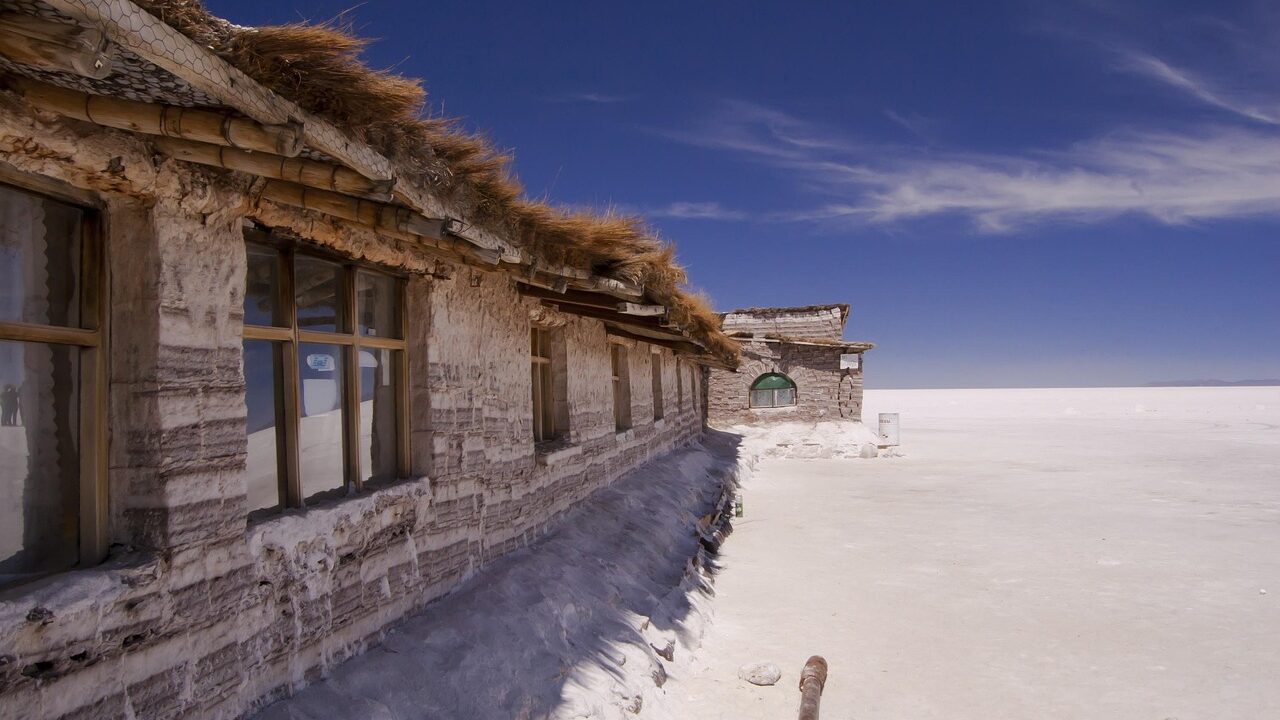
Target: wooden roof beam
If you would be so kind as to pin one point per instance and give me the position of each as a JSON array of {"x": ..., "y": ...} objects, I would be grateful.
[
  {"x": 146, "y": 36},
  {"x": 600, "y": 314},
  {"x": 681, "y": 346},
  {"x": 49, "y": 45},
  {"x": 320, "y": 175},
  {"x": 218, "y": 128}
]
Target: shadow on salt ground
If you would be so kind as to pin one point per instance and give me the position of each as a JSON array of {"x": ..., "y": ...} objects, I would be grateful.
[{"x": 578, "y": 624}]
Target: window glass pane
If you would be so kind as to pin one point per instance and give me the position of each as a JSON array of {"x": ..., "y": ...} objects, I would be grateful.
[
  {"x": 39, "y": 259},
  {"x": 378, "y": 298},
  {"x": 317, "y": 290},
  {"x": 771, "y": 381},
  {"x": 785, "y": 396},
  {"x": 378, "y": 419},
  {"x": 320, "y": 429},
  {"x": 263, "y": 385},
  {"x": 262, "y": 287},
  {"x": 761, "y": 398},
  {"x": 39, "y": 459}
]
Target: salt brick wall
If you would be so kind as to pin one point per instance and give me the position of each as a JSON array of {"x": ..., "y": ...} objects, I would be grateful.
[
  {"x": 198, "y": 613},
  {"x": 816, "y": 371},
  {"x": 804, "y": 324}
]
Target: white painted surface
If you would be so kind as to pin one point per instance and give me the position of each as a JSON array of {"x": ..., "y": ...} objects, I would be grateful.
[
  {"x": 1084, "y": 554},
  {"x": 888, "y": 429}
]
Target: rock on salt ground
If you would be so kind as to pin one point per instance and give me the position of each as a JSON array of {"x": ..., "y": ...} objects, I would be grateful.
[
  {"x": 1092, "y": 553},
  {"x": 566, "y": 628},
  {"x": 760, "y": 673}
]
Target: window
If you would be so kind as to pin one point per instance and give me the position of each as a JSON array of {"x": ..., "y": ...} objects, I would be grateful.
[
  {"x": 52, "y": 385},
  {"x": 324, "y": 367},
  {"x": 621, "y": 387},
  {"x": 773, "y": 390},
  {"x": 851, "y": 361},
  {"x": 655, "y": 370},
  {"x": 550, "y": 397},
  {"x": 679, "y": 386},
  {"x": 693, "y": 387}
]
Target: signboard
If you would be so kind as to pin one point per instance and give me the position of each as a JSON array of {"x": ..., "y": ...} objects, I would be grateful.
[{"x": 888, "y": 429}]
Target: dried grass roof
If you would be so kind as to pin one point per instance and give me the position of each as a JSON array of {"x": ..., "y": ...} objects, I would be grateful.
[{"x": 318, "y": 66}]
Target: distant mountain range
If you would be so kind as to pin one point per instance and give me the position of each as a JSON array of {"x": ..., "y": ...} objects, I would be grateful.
[{"x": 1214, "y": 383}]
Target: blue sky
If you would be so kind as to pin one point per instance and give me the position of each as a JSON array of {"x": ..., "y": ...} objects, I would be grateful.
[{"x": 1008, "y": 194}]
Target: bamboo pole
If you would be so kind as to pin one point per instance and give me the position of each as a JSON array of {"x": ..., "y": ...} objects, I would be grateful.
[
  {"x": 48, "y": 45},
  {"x": 813, "y": 678},
  {"x": 365, "y": 212},
  {"x": 166, "y": 120},
  {"x": 377, "y": 216},
  {"x": 322, "y": 175}
]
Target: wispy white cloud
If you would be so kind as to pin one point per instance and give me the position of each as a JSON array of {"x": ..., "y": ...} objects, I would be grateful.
[
  {"x": 757, "y": 130},
  {"x": 1200, "y": 88},
  {"x": 696, "y": 211},
  {"x": 1171, "y": 177},
  {"x": 912, "y": 122},
  {"x": 594, "y": 98}
]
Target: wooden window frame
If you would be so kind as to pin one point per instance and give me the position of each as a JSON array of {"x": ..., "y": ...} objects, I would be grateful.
[
  {"x": 542, "y": 377},
  {"x": 773, "y": 393},
  {"x": 91, "y": 338},
  {"x": 657, "y": 390},
  {"x": 621, "y": 372},
  {"x": 289, "y": 336},
  {"x": 679, "y": 385}
]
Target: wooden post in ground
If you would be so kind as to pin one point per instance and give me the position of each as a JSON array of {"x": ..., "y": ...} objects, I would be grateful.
[{"x": 812, "y": 679}]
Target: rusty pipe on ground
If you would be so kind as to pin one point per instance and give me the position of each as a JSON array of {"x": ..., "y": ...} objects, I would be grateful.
[{"x": 812, "y": 679}]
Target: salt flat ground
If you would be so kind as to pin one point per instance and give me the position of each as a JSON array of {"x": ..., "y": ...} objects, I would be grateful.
[{"x": 1083, "y": 553}]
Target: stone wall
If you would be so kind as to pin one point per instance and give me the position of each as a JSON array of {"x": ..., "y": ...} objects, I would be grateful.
[
  {"x": 823, "y": 390},
  {"x": 822, "y": 322},
  {"x": 199, "y": 613}
]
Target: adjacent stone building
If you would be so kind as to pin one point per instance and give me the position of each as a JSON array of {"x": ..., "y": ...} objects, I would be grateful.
[
  {"x": 281, "y": 361},
  {"x": 795, "y": 366}
]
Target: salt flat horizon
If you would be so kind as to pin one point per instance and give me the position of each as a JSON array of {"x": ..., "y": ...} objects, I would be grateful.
[
  {"x": 1064, "y": 553},
  {"x": 1087, "y": 387}
]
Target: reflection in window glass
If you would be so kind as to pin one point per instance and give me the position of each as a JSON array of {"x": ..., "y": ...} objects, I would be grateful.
[
  {"x": 378, "y": 303},
  {"x": 317, "y": 288},
  {"x": 39, "y": 459},
  {"x": 262, "y": 384},
  {"x": 262, "y": 287},
  {"x": 320, "y": 429},
  {"x": 378, "y": 426},
  {"x": 39, "y": 259}
]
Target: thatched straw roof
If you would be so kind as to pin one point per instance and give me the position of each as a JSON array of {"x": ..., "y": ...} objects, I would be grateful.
[{"x": 318, "y": 66}]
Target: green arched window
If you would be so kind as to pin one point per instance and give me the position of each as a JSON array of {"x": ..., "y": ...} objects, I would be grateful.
[{"x": 773, "y": 390}]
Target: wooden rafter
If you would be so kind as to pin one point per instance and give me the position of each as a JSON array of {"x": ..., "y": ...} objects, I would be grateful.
[
  {"x": 49, "y": 45},
  {"x": 312, "y": 173},
  {"x": 148, "y": 37},
  {"x": 219, "y": 128}
]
